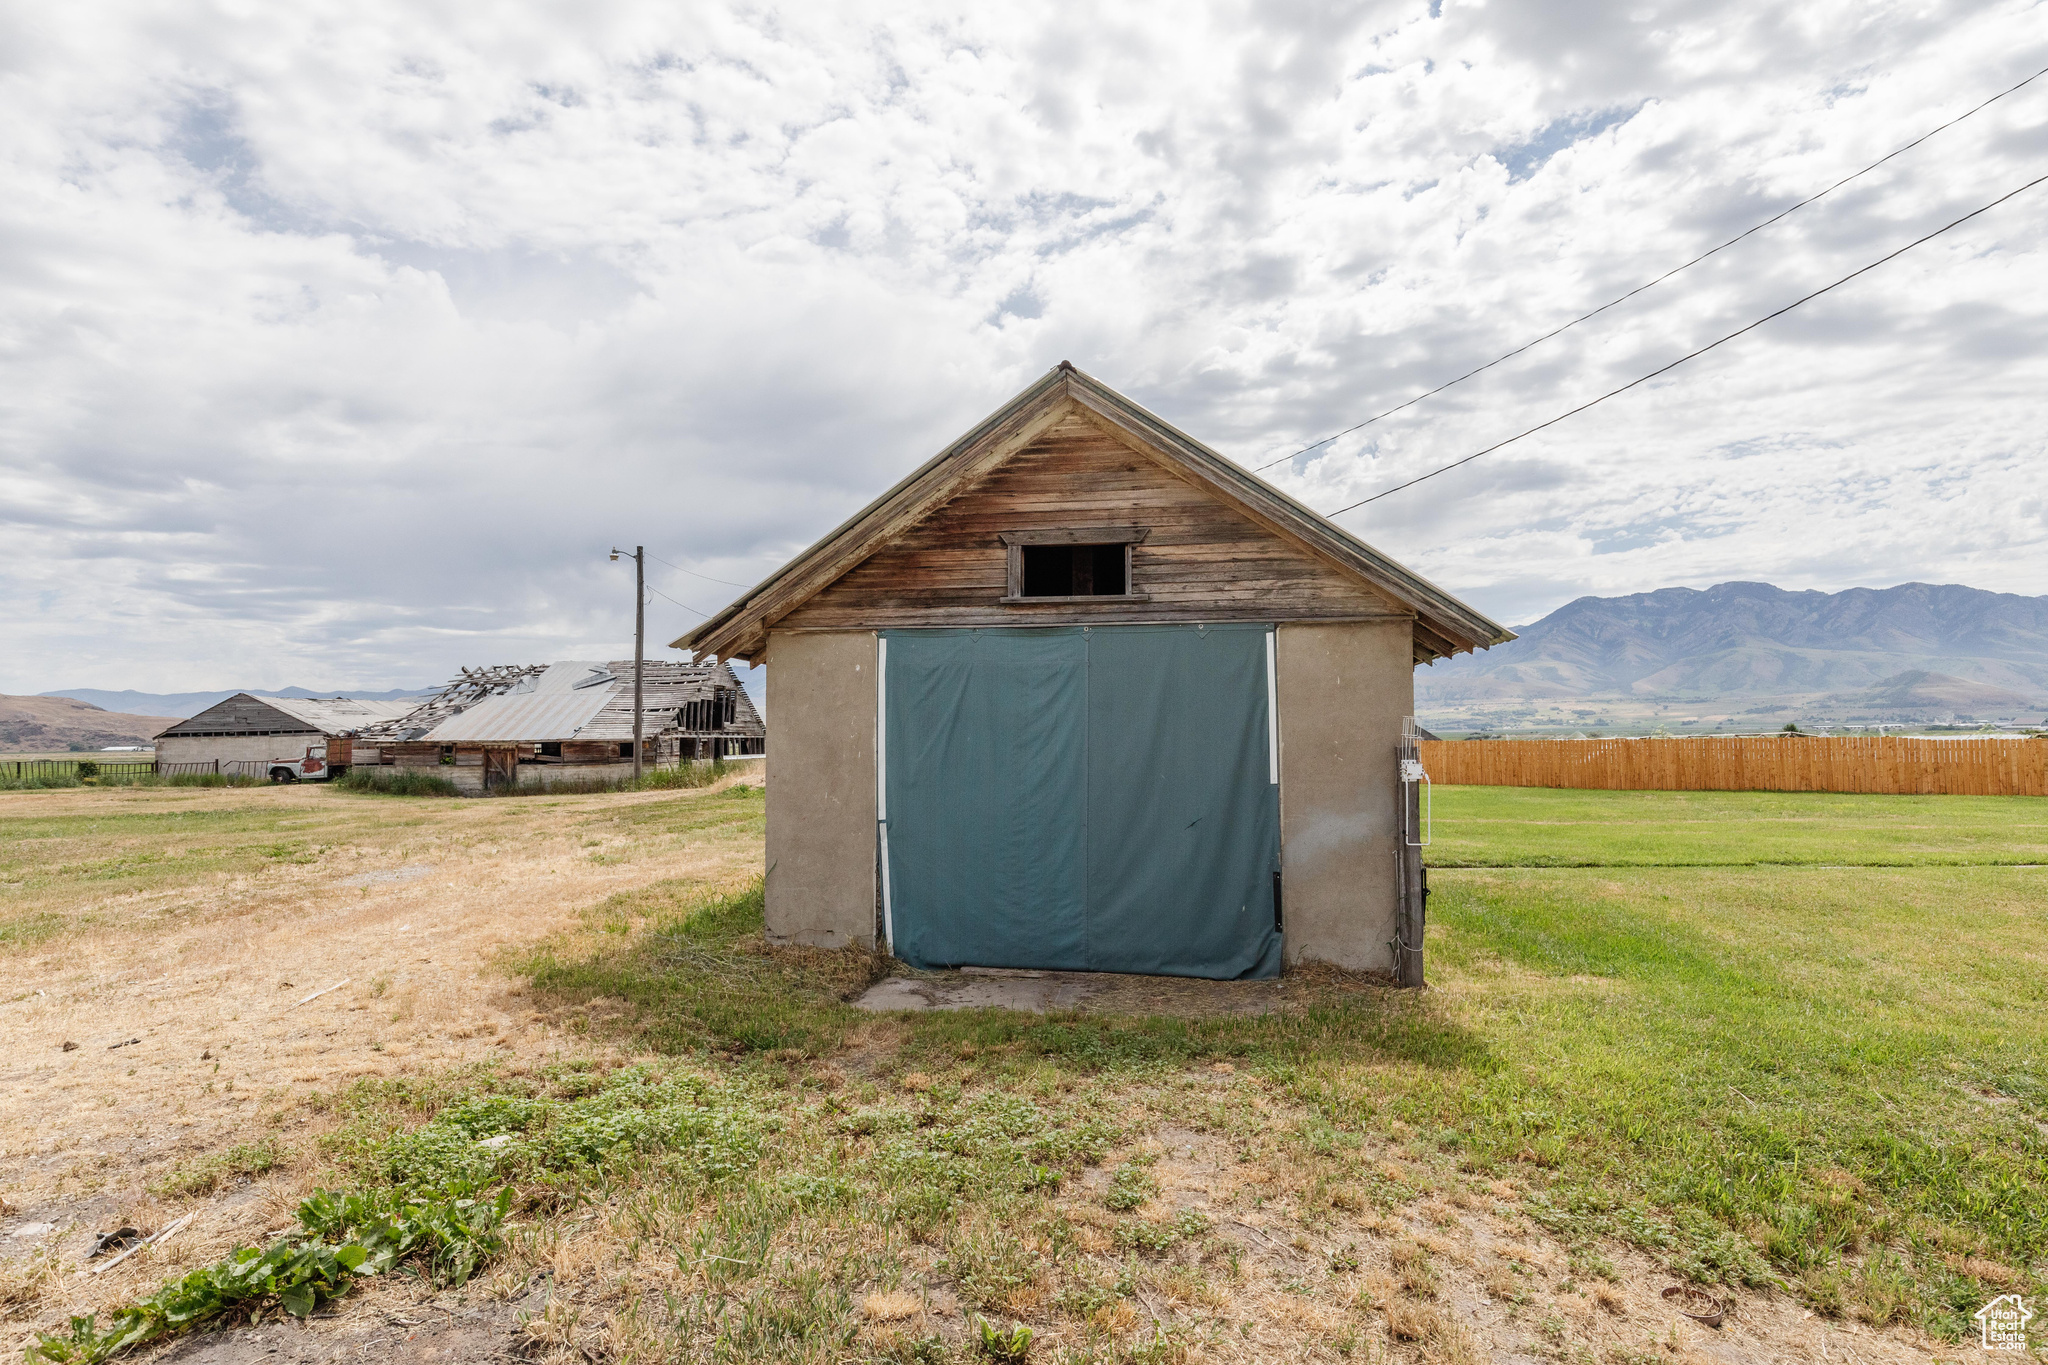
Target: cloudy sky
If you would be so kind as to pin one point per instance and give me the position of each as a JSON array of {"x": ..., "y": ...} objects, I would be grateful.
[{"x": 338, "y": 342}]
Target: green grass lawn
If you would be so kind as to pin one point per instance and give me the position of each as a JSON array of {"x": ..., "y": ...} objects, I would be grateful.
[
  {"x": 1816, "y": 1021},
  {"x": 1844, "y": 1066},
  {"x": 1541, "y": 827}
]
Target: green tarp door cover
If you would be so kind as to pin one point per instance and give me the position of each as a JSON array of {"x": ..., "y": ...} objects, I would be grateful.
[{"x": 1098, "y": 798}]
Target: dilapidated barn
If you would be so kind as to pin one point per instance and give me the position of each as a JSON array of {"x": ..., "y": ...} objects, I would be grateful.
[
  {"x": 1081, "y": 693},
  {"x": 544, "y": 724},
  {"x": 286, "y": 739}
]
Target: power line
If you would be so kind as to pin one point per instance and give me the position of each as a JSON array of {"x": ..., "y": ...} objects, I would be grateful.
[
  {"x": 1692, "y": 355},
  {"x": 665, "y": 597},
  {"x": 694, "y": 574},
  {"x": 1659, "y": 280}
]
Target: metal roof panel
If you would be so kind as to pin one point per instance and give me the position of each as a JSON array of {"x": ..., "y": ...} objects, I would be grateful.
[{"x": 528, "y": 718}]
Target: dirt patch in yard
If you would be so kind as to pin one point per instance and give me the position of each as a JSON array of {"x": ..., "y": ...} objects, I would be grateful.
[
  {"x": 1456, "y": 1274},
  {"x": 157, "y": 1061}
]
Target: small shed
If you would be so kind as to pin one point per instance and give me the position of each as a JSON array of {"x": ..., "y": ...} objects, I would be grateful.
[
  {"x": 1080, "y": 693},
  {"x": 568, "y": 722},
  {"x": 284, "y": 738}
]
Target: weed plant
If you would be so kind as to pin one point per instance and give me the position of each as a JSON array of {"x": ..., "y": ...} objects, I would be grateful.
[
  {"x": 203, "y": 780},
  {"x": 426, "y": 1197},
  {"x": 150, "y": 780},
  {"x": 30, "y": 782},
  {"x": 681, "y": 777},
  {"x": 395, "y": 782},
  {"x": 413, "y": 782},
  {"x": 341, "y": 1238},
  {"x": 243, "y": 1161},
  {"x": 726, "y": 1175}
]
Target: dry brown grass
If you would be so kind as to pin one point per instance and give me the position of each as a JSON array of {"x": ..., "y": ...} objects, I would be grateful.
[
  {"x": 23, "y": 1280},
  {"x": 1503, "y": 1284},
  {"x": 1411, "y": 1321},
  {"x": 892, "y": 1306}
]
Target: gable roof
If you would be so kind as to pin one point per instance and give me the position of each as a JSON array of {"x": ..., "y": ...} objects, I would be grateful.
[
  {"x": 1443, "y": 624},
  {"x": 246, "y": 714},
  {"x": 340, "y": 715}
]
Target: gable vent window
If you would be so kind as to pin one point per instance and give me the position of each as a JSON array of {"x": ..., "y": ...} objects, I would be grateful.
[
  {"x": 1081, "y": 564},
  {"x": 1075, "y": 570}
]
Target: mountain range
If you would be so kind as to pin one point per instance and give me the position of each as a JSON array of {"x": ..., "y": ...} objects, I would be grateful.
[
  {"x": 1919, "y": 648},
  {"x": 182, "y": 704},
  {"x": 1919, "y": 651}
]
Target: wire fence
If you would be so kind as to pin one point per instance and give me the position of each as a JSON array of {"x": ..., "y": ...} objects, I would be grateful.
[
  {"x": 224, "y": 767},
  {"x": 75, "y": 767},
  {"x": 1897, "y": 764},
  {"x": 84, "y": 766}
]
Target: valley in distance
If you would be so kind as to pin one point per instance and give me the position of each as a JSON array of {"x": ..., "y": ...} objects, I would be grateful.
[{"x": 1744, "y": 658}]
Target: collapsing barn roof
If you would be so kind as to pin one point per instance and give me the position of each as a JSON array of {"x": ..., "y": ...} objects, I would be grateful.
[
  {"x": 572, "y": 700},
  {"x": 1443, "y": 625}
]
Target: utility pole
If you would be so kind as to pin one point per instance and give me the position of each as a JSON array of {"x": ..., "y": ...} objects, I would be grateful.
[
  {"x": 1412, "y": 896},
  {"x": 639, "y": 648},
  {"x": 639, "y": 645}
]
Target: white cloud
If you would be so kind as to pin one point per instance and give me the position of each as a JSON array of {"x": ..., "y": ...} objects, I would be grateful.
[{"x": 337, "y": 343}]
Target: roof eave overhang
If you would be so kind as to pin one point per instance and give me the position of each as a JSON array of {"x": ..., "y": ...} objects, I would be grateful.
[
  {"x": 736, "y": 631},
  {"x": 1443, "y": 624},
  {"x": 1452, "y": 626}
]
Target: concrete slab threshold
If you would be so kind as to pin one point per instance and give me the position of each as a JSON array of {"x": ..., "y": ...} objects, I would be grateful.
[
  {"x": 1043, "y": 992},
  {"x": 977, "y": 988}
]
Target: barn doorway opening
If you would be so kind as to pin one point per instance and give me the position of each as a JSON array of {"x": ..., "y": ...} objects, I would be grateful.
[
  {"x": 1097, "y": 798},
  {"x": 501, "y": 768}
]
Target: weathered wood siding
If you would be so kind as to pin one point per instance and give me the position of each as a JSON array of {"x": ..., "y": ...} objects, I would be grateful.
[{"x": 1202, "y": 561}]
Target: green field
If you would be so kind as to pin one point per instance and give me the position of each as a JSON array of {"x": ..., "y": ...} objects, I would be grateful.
[
  {"x": 1777, "y": 1044},
  {"x": 1541, "y": 827}
]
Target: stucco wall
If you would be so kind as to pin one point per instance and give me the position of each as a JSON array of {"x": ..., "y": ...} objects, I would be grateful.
[
  {"x": 1344, "y": 690},
  {"x": 289, "y": 749},
  {"x": 821, "y": 788}
]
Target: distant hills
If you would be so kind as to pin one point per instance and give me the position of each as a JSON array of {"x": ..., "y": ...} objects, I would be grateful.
[
  {"x": 183, "y": 704},
  {"x": 1919, "y": 651},
  {"x": 53, "y": 724}
]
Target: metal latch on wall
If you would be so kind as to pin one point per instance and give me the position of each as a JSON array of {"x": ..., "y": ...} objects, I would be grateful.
[{"x": 1414, "y": 816}]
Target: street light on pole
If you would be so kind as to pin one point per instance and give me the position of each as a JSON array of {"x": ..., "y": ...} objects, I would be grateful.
[{"x": 639, "y": 642}]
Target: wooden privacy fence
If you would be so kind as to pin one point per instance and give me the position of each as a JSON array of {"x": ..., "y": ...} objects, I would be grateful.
[{"x": 1736, "y": 763}]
